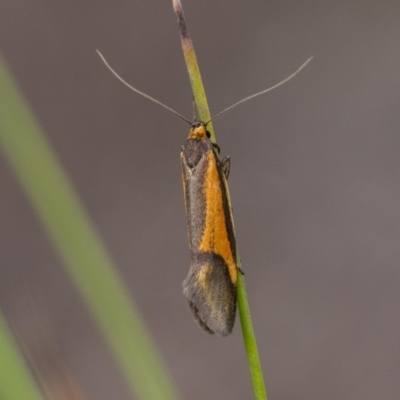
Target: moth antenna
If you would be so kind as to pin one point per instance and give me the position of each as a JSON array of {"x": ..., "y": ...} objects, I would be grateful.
[
  {"x": 262, "y": 92},
  {"x": 141, "y": 93}
]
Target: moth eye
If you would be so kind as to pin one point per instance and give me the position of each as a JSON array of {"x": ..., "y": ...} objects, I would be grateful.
[{"x": 208, "y": 134}]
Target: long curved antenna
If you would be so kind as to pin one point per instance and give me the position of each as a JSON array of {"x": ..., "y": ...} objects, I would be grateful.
[
  {"x": 141, "y": 93},
  {"x": 262, "y": 92}
]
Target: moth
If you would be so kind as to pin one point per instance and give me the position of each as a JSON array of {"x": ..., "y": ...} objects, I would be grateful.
[{"x": 210, "y": 286}]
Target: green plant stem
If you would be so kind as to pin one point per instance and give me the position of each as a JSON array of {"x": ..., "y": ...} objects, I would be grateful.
[
  {"x": 250, "y": 342},
  {"x": 204, "y": 114},
  {"x": 193, "y": 70},
  {"x": 78, "y": 244}
]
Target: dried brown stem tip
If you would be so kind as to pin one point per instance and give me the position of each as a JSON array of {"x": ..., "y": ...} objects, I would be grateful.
[{"x": 181, "y": 19}]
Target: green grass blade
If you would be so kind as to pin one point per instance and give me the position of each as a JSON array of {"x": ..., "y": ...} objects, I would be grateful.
[
  {"x": 204, "y": 115},
  {"x": 16, "y": 381},
  {"x": 77, "y": 242},
  {"x": 250, "y": 342},
  {"x": 193, "y": 70}
]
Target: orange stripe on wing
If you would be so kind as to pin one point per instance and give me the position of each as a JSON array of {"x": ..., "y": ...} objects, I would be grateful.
[{"x": 215, "y": 237}]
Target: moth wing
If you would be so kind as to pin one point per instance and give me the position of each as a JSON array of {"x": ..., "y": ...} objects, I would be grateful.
[{"x": 211, "y": 293}]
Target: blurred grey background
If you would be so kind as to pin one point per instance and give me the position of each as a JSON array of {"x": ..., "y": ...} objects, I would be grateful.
[{"x": 314, "y": 184}]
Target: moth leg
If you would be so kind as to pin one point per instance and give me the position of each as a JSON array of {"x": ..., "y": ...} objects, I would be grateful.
[
  {"x": 216, "y": 147},
  {"x": 226, "y": 166}
]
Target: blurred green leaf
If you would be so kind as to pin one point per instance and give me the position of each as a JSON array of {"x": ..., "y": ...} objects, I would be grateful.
[
  {"x": 16, "y": 381},
  {"x": 77, "y": 242}
]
